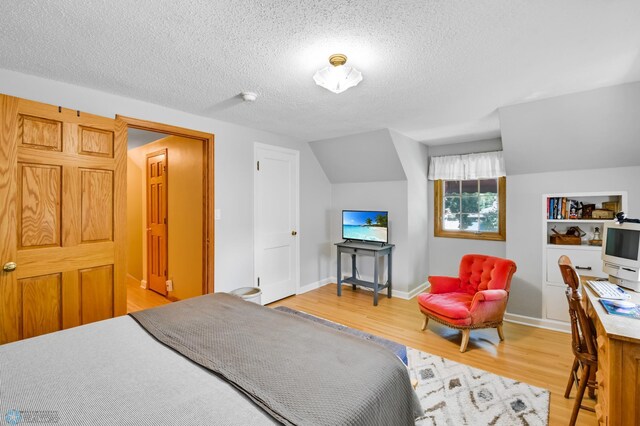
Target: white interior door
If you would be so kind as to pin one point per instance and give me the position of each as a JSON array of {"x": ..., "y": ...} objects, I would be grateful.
[{"x": 276, "y": 221}]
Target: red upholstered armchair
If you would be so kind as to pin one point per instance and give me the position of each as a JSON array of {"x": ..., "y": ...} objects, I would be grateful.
[{"x": 476, "y": 299}]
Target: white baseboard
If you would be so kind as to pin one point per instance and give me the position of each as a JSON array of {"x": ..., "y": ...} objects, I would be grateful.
[
  {"x": 134, "y": 281},
  {"x": 312, "y": 286},
  {"x": 538, "y": 322},
  {"x": 408, "y": 295}
]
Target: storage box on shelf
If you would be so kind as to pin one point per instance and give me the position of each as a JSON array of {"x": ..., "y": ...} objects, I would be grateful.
[{"x": 561, "y": 212}]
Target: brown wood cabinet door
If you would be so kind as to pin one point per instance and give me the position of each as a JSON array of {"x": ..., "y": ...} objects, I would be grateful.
[
  {"x": 62, "y": 205},
  {"x": 157, "y": 259}
]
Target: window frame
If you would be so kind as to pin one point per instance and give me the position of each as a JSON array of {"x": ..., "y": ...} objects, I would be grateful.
[{"x": 438, "y": 201}]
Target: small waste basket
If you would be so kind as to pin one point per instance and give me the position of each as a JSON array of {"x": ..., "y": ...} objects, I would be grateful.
[{"x": 250, "y": 294}]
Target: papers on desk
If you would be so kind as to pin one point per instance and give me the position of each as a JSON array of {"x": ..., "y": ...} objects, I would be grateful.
[{"x": 624, "y": 312}]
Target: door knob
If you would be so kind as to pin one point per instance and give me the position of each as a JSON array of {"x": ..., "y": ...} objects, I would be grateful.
[
  {"x": 294, "y": 233},
  {"x": 9, "y": 266}
]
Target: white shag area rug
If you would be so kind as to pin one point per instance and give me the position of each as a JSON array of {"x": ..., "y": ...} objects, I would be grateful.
[{"x": 456, "y": 394}]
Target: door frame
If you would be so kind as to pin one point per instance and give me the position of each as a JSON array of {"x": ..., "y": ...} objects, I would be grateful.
[
  {"x": 123, "y": 123},
  {"x": 296, "y": 153}
]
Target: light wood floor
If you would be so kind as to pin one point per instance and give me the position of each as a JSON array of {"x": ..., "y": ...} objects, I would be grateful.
[
  {"x": 539, "y": 357},
  {"x": 139, "y": 298}
]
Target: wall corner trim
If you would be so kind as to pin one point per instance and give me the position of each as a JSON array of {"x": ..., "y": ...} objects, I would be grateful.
[
  {"x": 315, "y": 285},
  {"x": 408, "y": 295}
]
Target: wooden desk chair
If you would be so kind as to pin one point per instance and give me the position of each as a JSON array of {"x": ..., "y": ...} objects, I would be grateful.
[{"x": 583, "y": 341}]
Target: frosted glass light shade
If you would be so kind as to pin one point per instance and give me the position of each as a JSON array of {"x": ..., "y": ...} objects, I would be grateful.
[{"x": 337, "y": 78}]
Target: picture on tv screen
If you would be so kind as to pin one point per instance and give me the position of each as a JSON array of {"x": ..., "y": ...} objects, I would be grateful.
[{"x": 364, "y": 225}]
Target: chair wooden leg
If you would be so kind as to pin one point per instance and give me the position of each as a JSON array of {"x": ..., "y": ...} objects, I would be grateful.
[
  {"x": 465, "y": 339},
  {"x": 567, "y": 392},
  {"x": 592, "y": 384},
  {"x": 500, "y": 332},
  {"x": 425, "y": 322},
  {"x": 581, "y": 388}
]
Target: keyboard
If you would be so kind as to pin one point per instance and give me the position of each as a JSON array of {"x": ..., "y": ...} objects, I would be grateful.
[{"x": 606, "y": 290}]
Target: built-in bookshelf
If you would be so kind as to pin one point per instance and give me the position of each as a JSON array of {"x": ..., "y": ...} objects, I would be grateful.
[{"x": 561, "y": 212}]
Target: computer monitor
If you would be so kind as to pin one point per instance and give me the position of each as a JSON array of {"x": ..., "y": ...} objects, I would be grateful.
[{"x": 621, "y": 254}]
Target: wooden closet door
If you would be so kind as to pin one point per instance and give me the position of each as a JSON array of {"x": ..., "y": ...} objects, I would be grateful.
[
  {"x": 62, "y": 218},
  {"x": 157, "y": 250}
]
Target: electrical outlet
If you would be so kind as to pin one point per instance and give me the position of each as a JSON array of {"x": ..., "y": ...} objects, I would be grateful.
[
  {"x": 169, "y": 285},
  {"x": 143, "y": 284},
  {"x": 217, "y": 214}
]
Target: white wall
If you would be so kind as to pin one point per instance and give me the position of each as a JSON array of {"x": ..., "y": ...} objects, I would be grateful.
[
  {"x": 390, "y": 196},
  {"x": 413, "y": 156},
  {"x": 233, "y": 175},
  {"x": 564, "y": 144},
  {"x": 524, "y": 222}
]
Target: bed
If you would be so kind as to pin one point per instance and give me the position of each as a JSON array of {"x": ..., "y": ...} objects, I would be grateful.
[{"x": 245, "y": 365}]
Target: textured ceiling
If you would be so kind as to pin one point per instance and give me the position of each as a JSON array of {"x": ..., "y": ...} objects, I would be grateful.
[{"x": 433, "y": 70}]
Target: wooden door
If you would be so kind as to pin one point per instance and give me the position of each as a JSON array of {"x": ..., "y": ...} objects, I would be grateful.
[
  {"x": 157, "y": 221},
  {"x": 62, "y": 206},
  {"x": 276, "y": 222}
]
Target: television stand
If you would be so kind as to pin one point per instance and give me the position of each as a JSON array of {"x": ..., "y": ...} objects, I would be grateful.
[
  {"x": 348, "y": 241},
  {"x": 365, "y": 249}
]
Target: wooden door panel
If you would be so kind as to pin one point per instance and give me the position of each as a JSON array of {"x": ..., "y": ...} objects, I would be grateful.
[
  {"x": 63, "y": 259},
  {"x": 9, "y": 295},
  {"x": 62, "y": 201},
  {"x": 64, "y": 159},
  {"x": 41, "y": 305},
  {"x": 96, "y": 288},
  {"x": 96, "y": 142},
  {"x": 157, "y": 257},
  {"x": 40, "y": 133},
  {"x": 40, "y": 200},
  {"x": 10, "y": 310},
  {"x": 153, "y": 212},
  {"x": 97, "y": 205},
  {"x": 71, "y": 309}
]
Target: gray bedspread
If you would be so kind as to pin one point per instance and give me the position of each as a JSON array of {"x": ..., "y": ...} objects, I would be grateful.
[
  {"x": 114, "y": 373},
  {"x": 300, "y": 372}
]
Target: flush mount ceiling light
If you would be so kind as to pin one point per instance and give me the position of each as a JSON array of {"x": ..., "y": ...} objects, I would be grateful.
[
  {"x": 249, "y": 96},
  {"x": 337, "y": 77}
]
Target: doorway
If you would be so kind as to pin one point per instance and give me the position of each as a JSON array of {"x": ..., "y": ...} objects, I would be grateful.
[
  {"x": 276, "y": 219},
  {"x": 169, "y": 209}
]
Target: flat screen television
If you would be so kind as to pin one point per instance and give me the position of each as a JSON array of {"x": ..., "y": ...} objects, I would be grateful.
[
  {"x": 621, "y": 254},
  {"x": 360, "y": 225}
]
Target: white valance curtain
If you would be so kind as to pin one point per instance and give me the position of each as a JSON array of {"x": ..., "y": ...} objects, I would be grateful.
[{"x": 485, "y": 165}]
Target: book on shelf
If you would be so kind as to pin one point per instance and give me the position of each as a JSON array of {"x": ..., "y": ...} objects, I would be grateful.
[
  {"x": 548, "y": 202},
  {"x": 562, "y": 208}
]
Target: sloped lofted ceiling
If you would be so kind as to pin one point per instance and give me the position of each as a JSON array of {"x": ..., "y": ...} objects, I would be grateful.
[
  {"x": 436, "y": 71},
  {"x": 589, "y": 130},
  {"x": 363, "y": 157}
]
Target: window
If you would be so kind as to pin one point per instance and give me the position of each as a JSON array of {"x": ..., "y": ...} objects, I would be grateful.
[{"x": 473, "y": 209}]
